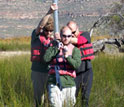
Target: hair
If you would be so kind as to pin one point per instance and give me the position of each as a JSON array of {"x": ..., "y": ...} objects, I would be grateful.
[{"x": 49, "y": 25}]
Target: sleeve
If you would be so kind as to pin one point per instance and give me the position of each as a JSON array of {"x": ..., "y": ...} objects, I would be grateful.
[
  {"x": 75, "y": 60},
  {"x": 50, "y": 54},
  {"x": 81, "y": 40},
  {"x": 33, "y": 35}
]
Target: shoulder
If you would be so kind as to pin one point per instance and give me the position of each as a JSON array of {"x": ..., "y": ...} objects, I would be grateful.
[
  {"x": 76, "y": 53},
  {"x": 86, "y": 35},
  {"x": 33, "y": 33},
  {"x": 76, "y": 50},
  {"x": 42, "y": 37}
]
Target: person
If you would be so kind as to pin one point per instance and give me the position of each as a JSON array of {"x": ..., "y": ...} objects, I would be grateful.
[
  {"x": 84, "y": 73},
  {"x": 64, "y": 59},
  {"x": 40, "y": 41}
]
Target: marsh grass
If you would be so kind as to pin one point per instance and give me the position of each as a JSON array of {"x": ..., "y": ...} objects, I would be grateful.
[
  {"x": 15, "y": 82},
  {"x": 17, "y": 43},
  {"x": 107, "y": 90},
  {"x": 23, "y": 43},
  {"x": 108, "y": 87}
]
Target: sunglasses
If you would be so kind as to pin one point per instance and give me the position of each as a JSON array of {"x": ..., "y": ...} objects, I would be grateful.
[
  {"x": 48, "y": 30},
  {"x": 73, "y": 32},
  {"x": 66, "y": 36}
]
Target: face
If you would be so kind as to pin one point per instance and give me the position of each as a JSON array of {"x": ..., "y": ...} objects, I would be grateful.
[
  {"x": 74, "y": 29},
  {"x": 48, "y": 33},
  {"x": 66, "y": 36}
]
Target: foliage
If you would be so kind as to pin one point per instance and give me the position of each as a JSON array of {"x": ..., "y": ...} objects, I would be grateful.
[
  {"x": 117, "y": 7},
  {"x": 107, "y": 90},
  {"x": 94, "y": 38},
  {"x": 117, "y": 22},
  {"x": 116, "y": 19},
  {"x": 111, "y": 23},
  {"x": 18, "y": 43},
  {"x": 15, "y": 82}
]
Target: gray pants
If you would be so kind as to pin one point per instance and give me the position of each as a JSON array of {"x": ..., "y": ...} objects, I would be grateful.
[
  {"x": 61, "y": 98},
  {"x": 39, "y": 81}
]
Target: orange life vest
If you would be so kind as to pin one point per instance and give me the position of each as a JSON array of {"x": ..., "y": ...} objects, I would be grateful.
[
  {"x": 38, "y": 48},
  {"x": 64, "y": 68},
  {"x": 86, "y": 50}
]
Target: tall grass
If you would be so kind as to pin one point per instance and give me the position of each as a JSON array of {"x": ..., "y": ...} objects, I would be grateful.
[
  {"x": 17, "y": 43},
  {"x": 23, "y": 43},
  {"x": 15, "y": 82},
  {"x": 107, "y": 90},
  {"x": 108, "y": 86}
]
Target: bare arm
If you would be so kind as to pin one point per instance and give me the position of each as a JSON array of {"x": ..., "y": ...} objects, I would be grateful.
[
  {"x": 45, "y": 18},
  {"x": 74, "y": 40}
]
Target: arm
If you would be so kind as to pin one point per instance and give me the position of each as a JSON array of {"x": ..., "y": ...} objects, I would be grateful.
[
  {"x": 74, "y": 40},
  {"x": 50, "y": 53},
  {"x": 75, "y": 60},
  {"x": 45, "y": 18},
  {"x": 79, "y": 40},
  {"x": 33, "y": 36}
]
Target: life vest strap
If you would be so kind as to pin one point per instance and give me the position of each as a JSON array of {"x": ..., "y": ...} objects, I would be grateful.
[
  {"x": 83, "y": 56},
  {"x": 58, "y": 82},
  {"x": 86, "y": 48}
]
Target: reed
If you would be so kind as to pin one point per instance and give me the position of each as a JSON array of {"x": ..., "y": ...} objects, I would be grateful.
[
  {"x": 107, "y": 90},
  {"x": 15, "y": 44}
]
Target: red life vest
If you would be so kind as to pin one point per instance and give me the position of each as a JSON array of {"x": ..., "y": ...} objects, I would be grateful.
[
  {"x": 86, "y": 50},
  {"x": 64, "y": 67},
  {"x": 38, "y": 48}
]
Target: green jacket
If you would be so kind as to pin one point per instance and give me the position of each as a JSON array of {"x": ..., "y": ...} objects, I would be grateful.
[{"x": 75, "y": 61}]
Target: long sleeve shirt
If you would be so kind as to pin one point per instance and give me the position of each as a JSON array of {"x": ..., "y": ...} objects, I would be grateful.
[{"x": 74, "y": 61}]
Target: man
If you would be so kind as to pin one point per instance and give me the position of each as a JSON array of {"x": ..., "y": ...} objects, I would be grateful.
[
  {"x": 64, "y": 59},
  {"x": 40, "y": 40},
  {"x": 84, "y": 74}
]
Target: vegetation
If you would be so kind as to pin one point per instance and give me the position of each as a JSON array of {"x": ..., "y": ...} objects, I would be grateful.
[
  {"x": 15, "y": 82},
  {"x": 107, "y": 91},
  {"x": 23, "y": 43},
  {"x": 17, "y": 43},
  {"x": 117, "y": 20},
  {"x": 94, "y": 38},
  {"x": 108, "y": 87}
]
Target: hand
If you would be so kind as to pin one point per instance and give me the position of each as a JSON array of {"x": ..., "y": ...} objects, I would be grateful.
[
  {"x": 65, "y": 50},
  {"x": 57, "y": 36},
  {"x": 53, "y": 7}
]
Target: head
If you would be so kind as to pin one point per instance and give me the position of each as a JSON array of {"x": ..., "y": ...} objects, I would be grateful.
[
  {"x": 49, "y": 27},
  {"x": 66, "y": 35},
  {"x": 74, "y": 28}
]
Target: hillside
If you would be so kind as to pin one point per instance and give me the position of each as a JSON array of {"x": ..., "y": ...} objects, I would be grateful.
[{"x": 20, "y": 17}]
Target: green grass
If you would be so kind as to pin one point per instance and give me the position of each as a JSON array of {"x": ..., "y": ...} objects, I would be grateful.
[
  {"x": 107, "y": 90},
  {"x": 15, "y": 82},
  {"x": 15, "y": 44},
  {"x": 23, "y": 43},
  {"x": 108, "y": 87}
]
